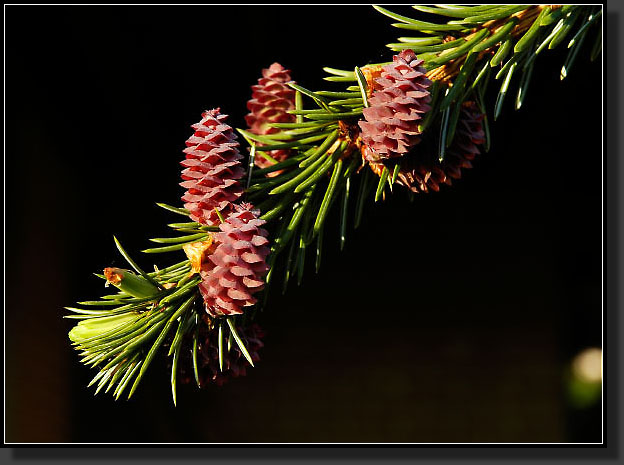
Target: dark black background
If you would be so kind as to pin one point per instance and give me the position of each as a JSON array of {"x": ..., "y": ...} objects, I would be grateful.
[{"x": 450, "y": 319}]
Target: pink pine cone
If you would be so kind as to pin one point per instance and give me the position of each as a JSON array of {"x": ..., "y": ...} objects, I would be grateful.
[
  {"x": 236, "y": 268},
  {"x": 234, "y": 362},
  {"x": 469, "y": 135},
  {"x": 421, "y": 170},
  {"x": 271, "y": 99},
  {"x": 212, "y": 169},
  {"x": 400, "y": 97}
]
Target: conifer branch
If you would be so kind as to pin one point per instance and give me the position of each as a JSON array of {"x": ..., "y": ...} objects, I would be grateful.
[{"x": 412, "y": 123}]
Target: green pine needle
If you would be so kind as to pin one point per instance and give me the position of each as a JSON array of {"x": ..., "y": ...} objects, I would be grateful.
[
  {"x": 179, "y": 211},
  {"x": 382, "y": 182},
  {"x": 239, "y": 341},
  {"x": 134, "y": 265},
  {"x": 220, "y": 346},
  {"x": 194, "y": 352}
]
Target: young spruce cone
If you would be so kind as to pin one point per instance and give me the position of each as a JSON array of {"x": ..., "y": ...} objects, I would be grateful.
[
  {"x": 271, "y": 99},
  {"x": 399, "y": 99},
  {"x": 212, "y": 169},
  {"x": 236, "y": 268},
  {"x": 422, "y": 172},
  {"x": 234, "y": 362}
]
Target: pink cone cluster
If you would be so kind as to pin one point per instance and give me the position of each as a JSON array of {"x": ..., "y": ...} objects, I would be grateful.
[
  {"x": 270, "y": 102},
  {"x": 422, "y": 172},
  {"x": 212, "y": 169},
  {"x": 236, "y": 268},
  {"x": 399, "y": 99}
]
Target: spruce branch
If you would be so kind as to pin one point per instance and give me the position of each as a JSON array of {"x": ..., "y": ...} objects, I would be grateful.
[{"x": 416, "y": 122}]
